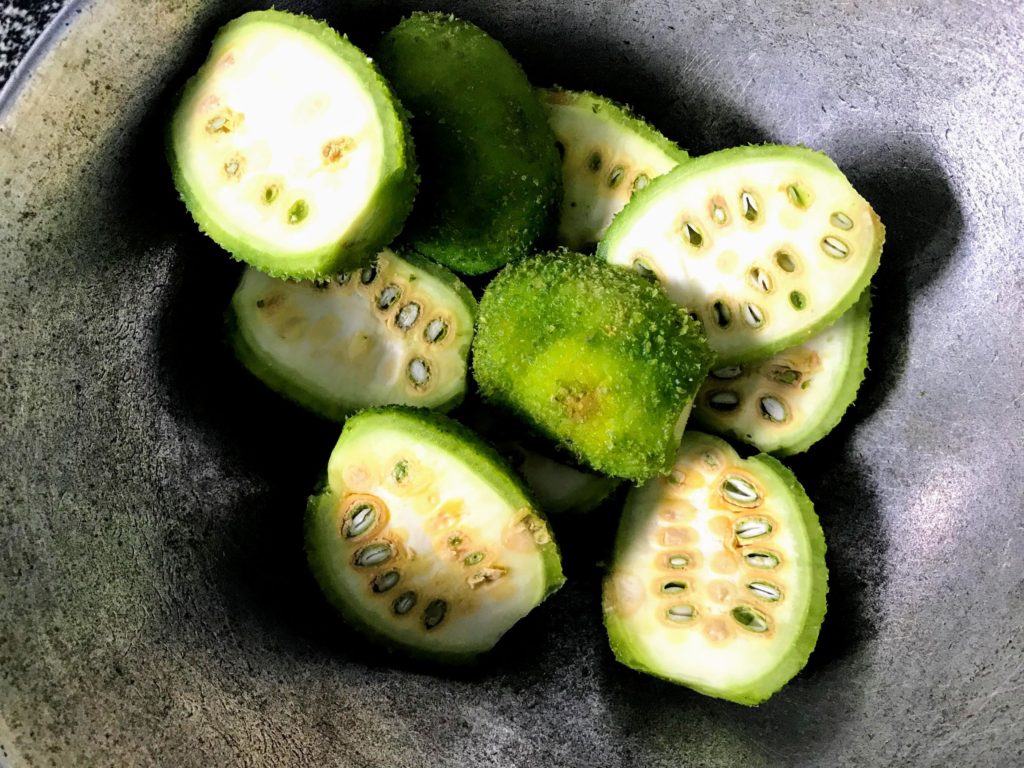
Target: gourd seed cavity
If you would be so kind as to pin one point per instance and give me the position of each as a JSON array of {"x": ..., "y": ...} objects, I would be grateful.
[
  {"x": 404, "y": 603},
  {"x": 753, "y": 315},
  {"x": 360, "y": 518},
  {"x": 400, "y": 471},
  {"x": 407, "y": 316},
  {"x": 740, "y": 491},
  {"x": 223, "y": 122},
  {"x": 419, "y": 372},
  {"x": 271, "y": 192},
  {"x": 761, "y": 560},
  {"x": 773, "y": 409},
  {"x": 594, "y": 161},
  {"x": 641, "y": 181},
  {"x": 382, "y": 582},
  {"x": 798, "y": 300},
  {"x": 673, "y": 587},
  {"x": 473, "y": 558},
  {"x": 765, "y": 591},
  {"x": 785, "y": 261},
  {"x": 388, "y": 297},
  {"x": 368, "y": 274},
  {"x": 835, "y": 247},
  {"x": 749, "y": 619},
  {"x": 615, "y": 177},
  {"x": 298, "y": 212},
  {"x": 727, "y": 373},
  {"x": 434, "y": 613},
  {"x": 722, "y": 314},
  {"x": 342, "y": 278},
  {"x": 749, "y": 206},
  {"x": 234, "y": 166},
  {"x": 693, "y": 235},
  {"x": 841, "y": 221},
  {"x": 377, "y": 553},
  {"x": 752, "y": 528},
  {"x": 723, "y": 400},
  {"x": 798, "y": 196},
  {"x": 761, "y": 280},
  {"x": 719, "y": 213},
  {"x": 644, "y": 270},
  {"x": 680, "y": 613},
  {"x": 677, "y": 561},
  {"x": 335, "y": 149},
  {"x": 436, "y": 330}
]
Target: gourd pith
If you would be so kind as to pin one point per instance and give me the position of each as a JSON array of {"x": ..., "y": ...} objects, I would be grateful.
[
  {"x": 718, "y": 576},
  {"x": 424, "y": 540},
  {"x": 785, "y": 403},
  {"x": 358, "y": 340},
  {"x": 765, "y": 245}
]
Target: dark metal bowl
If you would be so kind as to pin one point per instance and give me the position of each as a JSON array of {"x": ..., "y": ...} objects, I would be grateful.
[{"x": 154, "y": 604}]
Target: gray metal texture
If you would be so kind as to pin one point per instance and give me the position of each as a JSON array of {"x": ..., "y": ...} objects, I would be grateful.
[{"x": 154, "y": 605}]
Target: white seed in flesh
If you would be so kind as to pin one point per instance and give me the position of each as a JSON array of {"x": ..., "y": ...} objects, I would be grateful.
[
  {"x": 723, "y": 400},
  {"x": 407, "y": 316},
  {"x": 835, "y": 247},
  {"x": 841, "y": 221},
  {"x": 727, "y": 373},
  {"x": 765, "y": 591},
  {"x": 740, "y": 491},
  {"x": 761, "y": 560},
  {"x": 752, "y": 528},
  {"x": 773, "y": 409},
  {"x": 680, "y": 613},
  {"x": 388, "y": 296},
  {"x": 677, "y": 561},
  {"x": 436, "y": 330},
  {"x": 753, "y": 315},
  {"x": 419, "y": 372},
  {"x": 374, "y": 554}
]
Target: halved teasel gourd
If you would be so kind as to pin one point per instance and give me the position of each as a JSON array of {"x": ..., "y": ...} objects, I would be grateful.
[
  {"x": 290, "y": 150},
  {"x": 424, "y": 539},
  {"x": 396, "y": 331},
  {"x": 592, "y": 357},
  {"x": 766, "y": 245},
  {"x": 787, "y": 402},
  {"x": 607, "y": 153},
  {"x": 718, "y": 576}
]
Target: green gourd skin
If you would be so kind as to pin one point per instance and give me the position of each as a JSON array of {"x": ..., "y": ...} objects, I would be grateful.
[
  {"x": 593, "y": 357},
  {"x": 482, "y": 547},
  {"x": 491, "y": 171},
  {"x": 358, "y": 341},
  {"x": 718, "y": 578},
  {"x": 267, "y": 222}
]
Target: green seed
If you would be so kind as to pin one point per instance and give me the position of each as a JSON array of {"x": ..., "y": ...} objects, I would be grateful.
[
  {"x": 748, "y": 204},
  {"x": 404, "y": 603},
  {"x": 434, "y": 613},
  {"x": 400, "y": 471},
  {"x": 298, "y": 212},
  {"x": 270, "y": 193},
  {"x": 798, "y": 196},
  {"x": 797, "y": 300},
  {"x": 693, "y": 235},
  {"x": 785, "y": 261},
  {"x": 749, "y": 619},
  {"x": 473, "y": 558}
]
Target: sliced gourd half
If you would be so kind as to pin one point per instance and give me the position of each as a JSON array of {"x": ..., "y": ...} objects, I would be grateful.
[
  {"x": 289, "y": 149},
  {"x": 397, "y": 331},
  {"x": 490, "y": 167},
  {"x": 607, "y": 153},
  {"x": 423, "y": 537},
  {"x": 592, "y": 357},
  {"x": 718, "y": 577},
  {"x": 766, "y": 245},
  {"x": 787, "y": 402}
]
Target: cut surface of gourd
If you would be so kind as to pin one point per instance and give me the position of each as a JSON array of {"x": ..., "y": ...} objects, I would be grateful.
[
  {"x": 766, "y": 245},
  {"x": 424, "y": 539},
  {"x": 787, "y": 402},
  {"x": 718, "y": 577},
  {"x": 594, "y": 358},
  {"x": 607, "y": 153},
  {"x": 289, "y": 149},
  {"x": 489, "y": 164},
  {"x": 561, "y": 489},
  {"x": 396, "y": 331}
]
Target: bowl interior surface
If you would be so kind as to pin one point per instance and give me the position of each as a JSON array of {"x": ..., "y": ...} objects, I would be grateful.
[{"x": 154, "y": 602}]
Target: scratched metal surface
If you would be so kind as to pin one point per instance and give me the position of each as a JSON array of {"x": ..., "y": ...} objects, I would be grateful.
[{"x": 154, "y": 608}]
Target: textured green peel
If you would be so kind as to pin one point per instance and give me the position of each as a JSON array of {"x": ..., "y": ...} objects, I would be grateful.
[
  {"x": 490, "y": 167},
  {"x": 787, "y": 402},
  {"x": 289, "y": 149},
  {"x": 765, "y": 244},
  {"x": 607, "y": 153},
  {"x": 358, "y": 340},
  {"x": 718, "y": 576},
  {"x": 593, "y": 357},
  {"x": 439, "y": 558}
]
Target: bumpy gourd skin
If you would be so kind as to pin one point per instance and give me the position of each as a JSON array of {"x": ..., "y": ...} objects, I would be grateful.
[
  {"x": 452, "y": 525},
  {"x": 276, "y": 196},
  {"x": 491, "y": 172},
  {"x": 593, "y": 357}
]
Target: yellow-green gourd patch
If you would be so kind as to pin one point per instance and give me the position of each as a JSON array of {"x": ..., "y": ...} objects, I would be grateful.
[
  {"x": 718, "y": 575},
  {"x": 290, "y": 150},
  {"x": 593, "y": 357}
]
